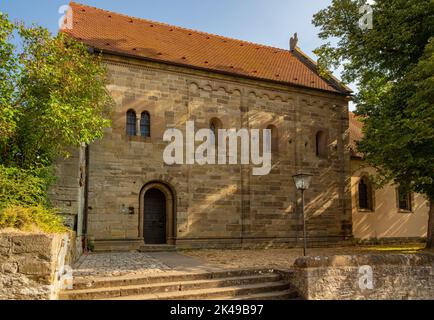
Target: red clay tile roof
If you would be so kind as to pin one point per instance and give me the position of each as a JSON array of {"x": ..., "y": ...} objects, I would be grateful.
[
  {"x": 356, "y": 134},
  {"x": 116, "y": 33}
]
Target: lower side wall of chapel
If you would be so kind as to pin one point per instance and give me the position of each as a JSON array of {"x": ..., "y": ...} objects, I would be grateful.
[{"x": 213, "y": 205}]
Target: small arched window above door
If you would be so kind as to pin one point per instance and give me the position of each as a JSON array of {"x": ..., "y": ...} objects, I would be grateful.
[
  {"x": 274, "y": 139},
  {"x": 131, "y": 123},
  {"x": 145, "y": 125},
  {"x": 321, "y": 144},
  {"x": 215, "y": 125}
]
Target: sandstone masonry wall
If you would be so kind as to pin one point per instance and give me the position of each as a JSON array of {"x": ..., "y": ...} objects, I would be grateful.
[
  {"x": 28, "y": 265},
  {"x": 219, "y": 205},
  {"x": 395, "y": 277}
]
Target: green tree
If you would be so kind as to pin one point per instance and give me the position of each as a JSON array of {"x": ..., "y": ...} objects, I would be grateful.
[
  {"x": 393, "y": 65},
  {"x": 8, "y": 72},
  {"x": 52, "y": 96}
]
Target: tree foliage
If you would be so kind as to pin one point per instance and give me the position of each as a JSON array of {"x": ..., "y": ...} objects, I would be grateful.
[
  {"x": 8, "y": 71},
  {"x": 373, "y": 58},
  {"x": 53, "y": 96},
  {"x": 393, "y": 65},
  {"x": 399, "y": 136}
]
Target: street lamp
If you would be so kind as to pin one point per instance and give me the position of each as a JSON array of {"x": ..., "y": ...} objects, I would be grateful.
[{"x": 302, "y": 182}]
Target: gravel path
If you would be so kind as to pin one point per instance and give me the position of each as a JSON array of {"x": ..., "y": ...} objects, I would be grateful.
[
  {"x": 132, "y": 263},
  {"x": 117, "y": 264},
  {"x": 285, "y": 258}
]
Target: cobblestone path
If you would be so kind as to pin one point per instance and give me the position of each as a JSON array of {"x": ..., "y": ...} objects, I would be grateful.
[{"x": 116, "y": 264}]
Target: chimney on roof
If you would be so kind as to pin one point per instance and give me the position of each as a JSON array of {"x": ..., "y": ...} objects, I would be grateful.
[{"x": 293, "y": 42}]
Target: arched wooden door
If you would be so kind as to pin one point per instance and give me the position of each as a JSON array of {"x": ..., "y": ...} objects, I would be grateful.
[{"x": 154, "y": 217}]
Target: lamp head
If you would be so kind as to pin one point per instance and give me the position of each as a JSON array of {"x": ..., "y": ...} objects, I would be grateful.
[{"x": 302, "y": 181}]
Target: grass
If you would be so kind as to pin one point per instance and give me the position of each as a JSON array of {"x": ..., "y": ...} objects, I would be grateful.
[{"x": 396, "y": 248}]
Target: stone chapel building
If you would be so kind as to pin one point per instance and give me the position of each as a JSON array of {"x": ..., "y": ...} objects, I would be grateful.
[{"x": 120, "y": 195}]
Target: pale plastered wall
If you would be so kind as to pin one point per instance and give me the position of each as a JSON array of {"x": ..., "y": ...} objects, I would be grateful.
[{"x": 386, "y": 221}]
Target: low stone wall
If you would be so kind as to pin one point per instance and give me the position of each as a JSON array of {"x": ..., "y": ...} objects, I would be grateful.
[
  {"x": 31, "y": 265},
  {"x": 370, "y": 277},
  {"x": 74, "y": 250}
]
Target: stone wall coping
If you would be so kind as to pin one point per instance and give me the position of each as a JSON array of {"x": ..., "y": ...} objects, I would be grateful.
[{"x": 419, "y": 259}]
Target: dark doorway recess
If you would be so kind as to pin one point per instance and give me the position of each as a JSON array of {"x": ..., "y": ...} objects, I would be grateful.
[{"x": 154, "y": 222}]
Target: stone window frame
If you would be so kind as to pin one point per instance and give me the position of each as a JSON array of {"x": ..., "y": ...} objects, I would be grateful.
[
  {"x": 215, "y": 124},
  {"x": 410, "y": 200},
  {"x": 129, "y": 125},
  {"x": 138, "y": 128},
  {"x": 370, "y": 195},
  {"x": 143, "y": 125},
  {"x": 321, "y": 143},
  {"x": 274, "y": 138}
]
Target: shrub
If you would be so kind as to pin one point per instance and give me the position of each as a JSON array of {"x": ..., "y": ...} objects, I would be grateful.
[
  {"x": 24, "y": 202},
  {"x": 35, "y": 218},
  {"x": 91, "y": 245},
  {"x": 27, "y": 188}
]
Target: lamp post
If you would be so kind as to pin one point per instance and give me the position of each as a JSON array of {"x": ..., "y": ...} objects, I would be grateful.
[{"x": 302, "y": 182}]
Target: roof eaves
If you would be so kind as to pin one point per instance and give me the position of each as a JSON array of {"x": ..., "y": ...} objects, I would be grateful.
[
  {"x": 185, "y": 65},
  {"x": 311, "y": 64}
]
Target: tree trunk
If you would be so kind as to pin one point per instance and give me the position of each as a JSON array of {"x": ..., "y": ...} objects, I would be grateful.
[{"x": 430, "y": 240}]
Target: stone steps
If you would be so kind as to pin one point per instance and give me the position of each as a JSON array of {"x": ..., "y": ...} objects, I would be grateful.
[
  {"x": 117, "y": 245},
  {"x": 278, "y": 295},
  {"x": 157, "y": 248},
  {"x": 225, "y": 293},
  {"x": 131, "y": 290},
  {"x": 130, "y": 280},
  {"x": 222, "y": 285}
]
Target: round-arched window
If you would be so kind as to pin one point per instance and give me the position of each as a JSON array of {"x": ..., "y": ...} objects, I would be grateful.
[
  {"x": 145, "y": 125},
  {"x": 131, "y": 123}
]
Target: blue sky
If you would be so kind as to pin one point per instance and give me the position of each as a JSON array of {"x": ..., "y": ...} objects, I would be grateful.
[{"x": 269, "y": 22}]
